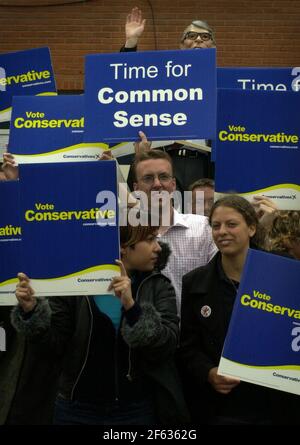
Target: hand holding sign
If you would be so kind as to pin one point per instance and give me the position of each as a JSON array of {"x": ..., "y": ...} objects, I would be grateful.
[
  {"x": 143, "y": 145},
  {"x": 24, "y": 293},
  {"x": 122, "y": 287},
  {"x": 220, "y": 383},
  {"x": 10, "y": 167}
]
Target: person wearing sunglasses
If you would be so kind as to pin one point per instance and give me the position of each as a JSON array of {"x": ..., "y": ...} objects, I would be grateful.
[{"x": 196, "y": 36}]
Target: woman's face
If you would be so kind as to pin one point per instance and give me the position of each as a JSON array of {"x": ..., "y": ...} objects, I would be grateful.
[
  {"x": 143, "y": 255},
  {"x": 230, "y": 231}
]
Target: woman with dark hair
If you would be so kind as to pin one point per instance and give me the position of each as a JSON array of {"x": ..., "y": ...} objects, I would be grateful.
[
  {"x": 208, "y": 296},
  {"x": 118, "y": 351}
]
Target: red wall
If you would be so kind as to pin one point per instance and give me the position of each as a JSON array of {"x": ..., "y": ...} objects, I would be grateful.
[{"x": 248, "y": 33}]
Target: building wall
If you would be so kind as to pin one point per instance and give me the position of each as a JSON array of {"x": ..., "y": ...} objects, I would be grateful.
[{"x": 248, "y": 33}]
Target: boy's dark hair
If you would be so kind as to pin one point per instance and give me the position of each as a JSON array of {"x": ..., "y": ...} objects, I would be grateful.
[{"x": 203, "y": 182}]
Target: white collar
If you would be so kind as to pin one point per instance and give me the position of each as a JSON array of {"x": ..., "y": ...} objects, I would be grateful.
[{"x": 179, "y": 219}]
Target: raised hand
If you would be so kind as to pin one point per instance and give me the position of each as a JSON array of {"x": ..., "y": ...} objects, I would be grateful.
[
  {"x": 25, "y": 293},
  {"x": 143, "y": 145},
  {"x": 134, "y": 28},
  {"x": 265, "y": 208},
  {"x": 122, "y": 287}
]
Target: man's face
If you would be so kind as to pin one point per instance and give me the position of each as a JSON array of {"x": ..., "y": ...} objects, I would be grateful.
[
  {"x": 154, "y": 175},
  {"x": 199, "y": 42},
  {"x": 204, "y": 199}
]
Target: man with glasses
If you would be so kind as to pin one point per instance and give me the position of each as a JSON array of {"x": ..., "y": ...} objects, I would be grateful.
[
  {"x": 197, "y": 35},
  {"x": 189, "y": 236},
  {"x": 189, "y": 162}
]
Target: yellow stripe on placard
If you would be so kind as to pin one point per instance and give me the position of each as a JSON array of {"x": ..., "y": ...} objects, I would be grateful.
[
  {"x": 50, "y": 93},
  {"x": 274, "y": 187},
  {"x": 104, "y": 267},
  {"x": 115, "y": 147},
  {"x": 274, "y": 368},
  {"x": 6, "y": 110},
  {"x": 10, "y": 281}
]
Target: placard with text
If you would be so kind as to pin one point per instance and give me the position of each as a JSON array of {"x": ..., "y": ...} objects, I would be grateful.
[
  {"x": 50, "y": 129},
  {"x": 10, "y": 240},
  {"x": 169, "y": 95},
  {"x": 24, "y": 73},
  {"x": 262, "y": 345},
  {"x": 258, "y": 145},
  {"x": 69, "y": 227}
]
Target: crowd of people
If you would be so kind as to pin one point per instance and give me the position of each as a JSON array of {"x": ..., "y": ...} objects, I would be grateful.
[{"x": 145, "y": 354}]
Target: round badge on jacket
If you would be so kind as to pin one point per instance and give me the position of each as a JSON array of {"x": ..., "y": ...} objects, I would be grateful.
[{"x": 205, "y": 311}]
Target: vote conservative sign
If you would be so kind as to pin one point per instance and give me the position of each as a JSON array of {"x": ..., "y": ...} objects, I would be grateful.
[
  {"x": 50, "y": 129},
  {"x": 24, "y": 73},
  {"x": 167, "y": 94},
  {"x": 257, "y": 79},
  {"x": 10, "y": 240},
  {"x": 69, "y": 218},
  {"x": 257, "y": 150},
  {"x": 263, "y": 341}
]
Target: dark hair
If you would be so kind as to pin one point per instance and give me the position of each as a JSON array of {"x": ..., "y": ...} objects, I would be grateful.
[
  {"x": 150, "y": 155},
  {"x": 131, "y": 235},
  {"x": 242, "y": 206},
  {"x": 203, "y": 182},
  {"x": 285, "y": 227}
]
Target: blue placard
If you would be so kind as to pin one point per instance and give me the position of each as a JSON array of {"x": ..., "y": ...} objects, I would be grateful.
[
  {"x": 64, "y": 249},
  {"x": 257, "y": 147},
  {"x": 167, "y": 94},
  {"x": 50, "y": 129},
  {"x": 10, "y": 240},
  {"x": 42, "y": 125},
  {"x": 263, "y": 340},
  {"x": 24, "y": 73},
  {"x": 259, "y": 79}
]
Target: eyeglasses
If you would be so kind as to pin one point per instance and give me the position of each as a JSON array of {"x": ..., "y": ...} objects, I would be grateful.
[
  {"x": 163, "y": 178},
  {"x": 193, "y": 35}
]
